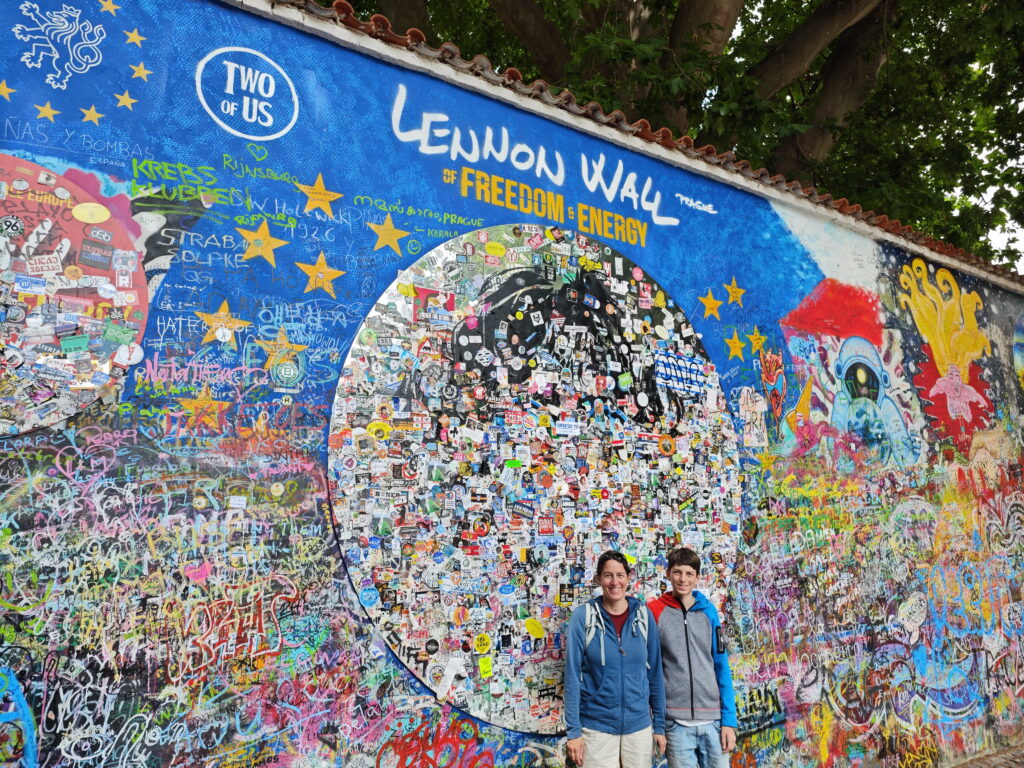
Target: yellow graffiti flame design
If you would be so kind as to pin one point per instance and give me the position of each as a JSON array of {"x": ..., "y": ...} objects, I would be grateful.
[{"x": 945, "y": 317}]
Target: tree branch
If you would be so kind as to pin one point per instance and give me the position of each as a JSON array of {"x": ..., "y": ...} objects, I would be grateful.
[
  {"x": 407, "y": 14},
  {"x": 794, "y": 55},
  {"x": 526, "y": 20},
  {"x": 848, "y": 77}
]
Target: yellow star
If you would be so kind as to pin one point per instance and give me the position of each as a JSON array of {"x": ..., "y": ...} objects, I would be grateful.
[
  {"x": 261, "y": 243},
  {"x": 318, "y": 196},
  {"x": 280, "y": 350},
  {"x": 735, "y": 346},
  {"x": 139, "y": 70},
  {"x": 124, "y": 99},
  {"x": 711, "y": 304},
  {"x": 802, "y": 410},
  {"x": 221, "y": 325},
  {"x": 204, "y": 410},
  {"x": 757, "y": 340},
  {"x": 134, "y": 37},
  {"x": 90, "y": 115},
  {"x": 388, "y": 234},
  {"x": 107, "y": 6},
  {"x": 46, "y": 111},
  {"x": 320, "y": 275},
  {"x": 6, "y": 90},
  {"x": 735, "y": 292}
]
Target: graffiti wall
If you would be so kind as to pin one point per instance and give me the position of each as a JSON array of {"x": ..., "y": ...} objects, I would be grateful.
[{"x": 328, "y": 368}]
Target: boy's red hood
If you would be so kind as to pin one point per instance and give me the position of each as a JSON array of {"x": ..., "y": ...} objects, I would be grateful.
[{"x": 668, "y": 600}]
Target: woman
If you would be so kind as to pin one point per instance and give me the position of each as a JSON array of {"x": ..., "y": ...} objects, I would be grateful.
[{"x": 614, "y": 689}]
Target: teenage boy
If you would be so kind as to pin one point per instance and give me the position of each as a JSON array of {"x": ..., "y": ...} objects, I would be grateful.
[{"x": 700, "y": 707}]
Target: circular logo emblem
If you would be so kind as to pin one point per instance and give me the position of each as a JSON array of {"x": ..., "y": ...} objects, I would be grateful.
[
  {"x": 11, "y": 226},
  {"x": 247, "y": 93}
]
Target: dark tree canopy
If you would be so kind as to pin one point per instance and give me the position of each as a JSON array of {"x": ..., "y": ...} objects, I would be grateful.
[{"x": 912, "y": 108}]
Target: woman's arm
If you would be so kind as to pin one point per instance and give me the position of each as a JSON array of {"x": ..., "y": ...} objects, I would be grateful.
[{"x": 573, "y": 670}]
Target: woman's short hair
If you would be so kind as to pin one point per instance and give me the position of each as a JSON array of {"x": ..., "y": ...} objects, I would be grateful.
[{"x": 618, "y": 557}]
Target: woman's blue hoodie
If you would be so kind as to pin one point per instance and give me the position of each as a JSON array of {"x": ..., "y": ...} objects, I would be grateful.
[{"x": 613, "y": 685}]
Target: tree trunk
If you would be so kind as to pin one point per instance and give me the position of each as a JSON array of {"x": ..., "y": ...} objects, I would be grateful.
[
  {"x": 699, "y": 26},
  {"x": 706, "y": 23},
  {"x": 526, "y": 20},
  {"x": 848, "y": 77}
]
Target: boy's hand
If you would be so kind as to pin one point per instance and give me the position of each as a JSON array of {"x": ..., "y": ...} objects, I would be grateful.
[
  {"x": 660, "y": 742},
  {"x": 576, "y": 750},
  {"x": 728, "y": 738}
]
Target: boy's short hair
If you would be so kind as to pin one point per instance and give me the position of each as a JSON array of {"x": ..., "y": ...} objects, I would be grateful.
[
  {"x": 684, "y": 556},
  {"x": 618, "y": 557}
]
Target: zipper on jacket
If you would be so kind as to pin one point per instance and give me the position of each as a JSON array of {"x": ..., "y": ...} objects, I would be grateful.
[
  {"x": 622, "y": 682},
  {"x": 689, "y": 664}
]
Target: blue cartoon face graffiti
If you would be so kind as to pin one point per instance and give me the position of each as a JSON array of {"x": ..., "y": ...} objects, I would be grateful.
[{"x": 863, "y": 409}]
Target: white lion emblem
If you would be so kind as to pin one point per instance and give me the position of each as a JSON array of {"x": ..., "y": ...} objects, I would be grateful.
[{"x": 71, "y": 44}]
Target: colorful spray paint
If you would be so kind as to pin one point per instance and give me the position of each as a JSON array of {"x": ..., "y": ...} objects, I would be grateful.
[{"x": 326, "y": 376}]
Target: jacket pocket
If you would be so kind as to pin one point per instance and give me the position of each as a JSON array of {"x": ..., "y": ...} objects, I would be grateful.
[
  {"x": 637, "y": 690},
  {"x": 593, "y": 683}
]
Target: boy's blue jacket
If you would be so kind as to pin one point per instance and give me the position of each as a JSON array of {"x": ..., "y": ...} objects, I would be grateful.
[{"x": 621, "y": 695}]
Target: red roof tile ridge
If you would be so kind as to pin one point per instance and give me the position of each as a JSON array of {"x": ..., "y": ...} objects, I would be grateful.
[{"x": 379, "y": 27}]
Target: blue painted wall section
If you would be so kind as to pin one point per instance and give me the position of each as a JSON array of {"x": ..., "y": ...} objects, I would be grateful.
[{"x": 323, "y": 383}]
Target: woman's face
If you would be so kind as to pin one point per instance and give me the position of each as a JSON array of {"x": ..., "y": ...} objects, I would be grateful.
[{"x": 614, "y": 580}]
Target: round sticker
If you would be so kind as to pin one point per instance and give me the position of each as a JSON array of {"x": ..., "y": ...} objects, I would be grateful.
[
  {"x": 535, "y": 628},
  {"x": 91, "y": 213},
  {"x": 11, "y": 226},
  {"x": 482, "y": 643}
]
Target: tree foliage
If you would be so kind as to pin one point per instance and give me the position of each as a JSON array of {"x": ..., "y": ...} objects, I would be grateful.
[{"x": 912, "y": 108}]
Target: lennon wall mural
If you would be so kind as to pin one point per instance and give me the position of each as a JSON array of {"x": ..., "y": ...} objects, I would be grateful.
[
  {"x": 521, "y": 399},
  {"x": 324, "y": 379}
]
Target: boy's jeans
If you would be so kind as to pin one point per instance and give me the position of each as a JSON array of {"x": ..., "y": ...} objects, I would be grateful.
[{"x": 696, "y": 747}]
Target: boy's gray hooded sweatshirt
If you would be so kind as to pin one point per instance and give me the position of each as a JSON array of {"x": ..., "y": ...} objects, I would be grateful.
[{"x": 698, "y": 681}]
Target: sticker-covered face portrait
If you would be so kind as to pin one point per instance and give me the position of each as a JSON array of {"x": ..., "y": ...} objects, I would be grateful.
[
  {"x": 517, "y": 402},
  {"x": 73, "y": 299}
]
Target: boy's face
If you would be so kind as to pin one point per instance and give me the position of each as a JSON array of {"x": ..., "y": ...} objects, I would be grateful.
[{"x": 683, "y": 579}]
